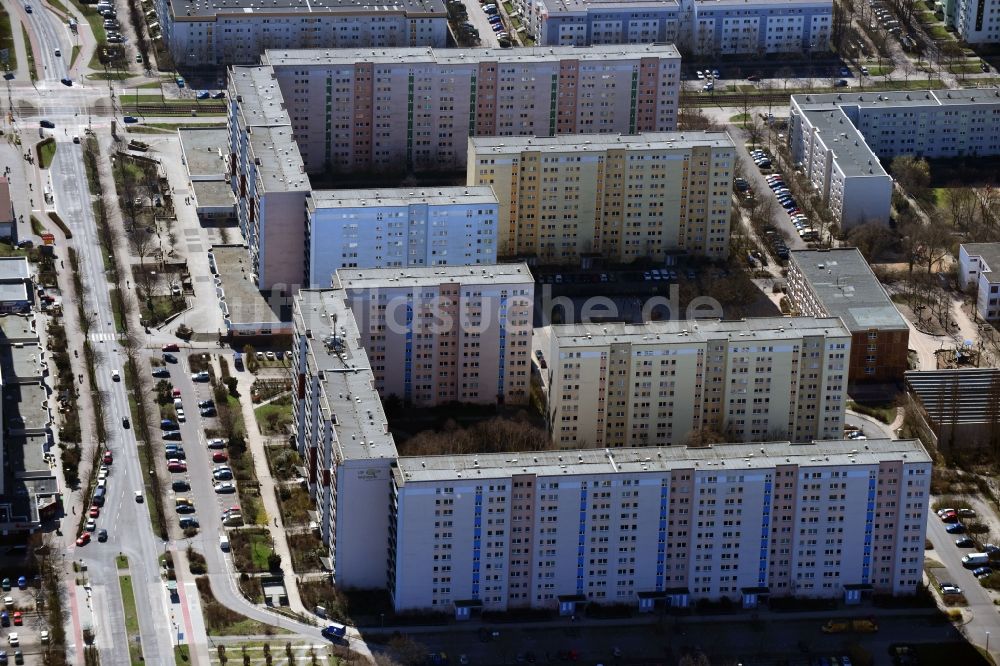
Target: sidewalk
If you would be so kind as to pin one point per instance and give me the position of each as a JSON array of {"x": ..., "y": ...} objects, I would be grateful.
[
  {"x": 255, "y": 443},
  {"x": 21, "y": 73}
]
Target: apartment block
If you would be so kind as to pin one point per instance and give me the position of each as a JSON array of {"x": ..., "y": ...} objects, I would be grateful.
[
  {"x": 616, "y": 385},
  {"x": 840, "y": 283},
  {"x": 659, "y": 527},
  {"x": 975, "y": 21},
  {"x": 976, "y": 262},
  {"x": 555, "y": 529},
  {"x": 397, "y": 109},
  {"x": 343, "y": 437},
  {"x": 839, "y": 139},
  {"x": 268, "y": 180},
  {"x": 622, "y": 197},
  {"x": 399, "y": 228},
  {"x": 445, "y": 334},
  {"x": 699, "y": 27},
  {"x": 237, "y": 32}
]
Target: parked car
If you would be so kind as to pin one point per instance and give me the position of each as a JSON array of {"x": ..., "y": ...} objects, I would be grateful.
[
  {"x": 222, "y": 474},
  {"x": 200, "y": 377},
  {"x": 176, "y": 466},
  {"x": 955, "y": 528},
  {"x": 950, "y": 589},
  {"x": 982, "y": 571},
  {"x": 966, "y": 513},
  {"x": 216, "y": 443},
  {"x": 102, "y": 535},
  {"x": 188, "y": 522},
  {"x": 169, "y": 358},
  {"x": 219, "y": 457},
  {"x": 965, "y": 542},
  {"x": 128, "y": 120},
  {"x": 160, "y": 373},
  {"x": 225, "y": 488},
  {"x": 171, "y": 347},
  {"x": 207, "y": 411},
  {"x": 172, "y": 435}
]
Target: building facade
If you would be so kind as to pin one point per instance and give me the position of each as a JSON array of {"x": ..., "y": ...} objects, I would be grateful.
[
  {"x": 698, "y": 27},
  {"x": 839, "y": 139},
  {"x": 975, "y": 271},
  {"x": 840, "y": 283},
  {"x": 268, "y": 180},
  {"x": 671, "y": 382},
  {"x": 977, "y": 22},
  {"x": 236, "y": 32},
  {"x": 445, "y": 334},
  {"x": 665, "y": 526},
  {"x": 399, "y": 228},
  {"x": 393, "y": 109},
  {"x": 622, "y": 197}
]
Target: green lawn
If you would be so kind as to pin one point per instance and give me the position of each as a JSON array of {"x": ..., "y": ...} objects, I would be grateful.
[
  {"x": 60, "y": 6},
  {"x": 739, "y": 118},
  {"x": 275, "y": 417},
  {"x": 74, "y": 56},
  {"x": 260, "y": 550},
  {"x": 938, "y": 31},
  {"x": 109, "y": 76},
  {"x": 182, "y": 655},
  {"x": 880, "y": 71},
  {"x": 131, "y": 620},
  {"x": 31, "y": 54},
  {"x": 46, "y": 152},
  {"x": 122, "y": 561},
  {"x": 37, "y": 227},
  {"x": 7, "y": 39},
  {"x": 95, "y": 20},
  {"x": 884, "y": 412}
]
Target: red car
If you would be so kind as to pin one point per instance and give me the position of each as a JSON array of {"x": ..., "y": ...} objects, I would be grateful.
[
  {"x": 95, "y": 511},
  {"x": 83, "y": 539},
  {"x": 172, "y": 347},
  {"x": 18, "y": 618},
  {"x": 176, "y": 466},
  {"x": 219, "y": 456},
  {"x": 108, "y": 458},
  {"x": 176, "y": 393}
]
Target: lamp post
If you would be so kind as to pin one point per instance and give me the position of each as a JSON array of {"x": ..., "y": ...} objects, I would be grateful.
[{"x": 987, "y": 641}]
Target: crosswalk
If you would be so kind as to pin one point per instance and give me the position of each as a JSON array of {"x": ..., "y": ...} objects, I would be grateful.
[{"x": 104, "y": 337}]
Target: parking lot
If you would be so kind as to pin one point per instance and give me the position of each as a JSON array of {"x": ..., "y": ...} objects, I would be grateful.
[
  {"x": 480, "y": 21},
  {"x": 22, "y": 628}
]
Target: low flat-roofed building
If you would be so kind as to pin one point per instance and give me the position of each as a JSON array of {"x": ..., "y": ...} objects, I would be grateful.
[
  {"x": 23, "y": 363},
  {"x": 30, "y": 494},
  {"x": 205, "y": 151},
  {"x": 16, "y": 285},
  {"x": 247, "y": 311},
  {"x": 960, "y": 405},
  {"x": 619, "y": 497},
  {"x": 17, "y": 328},
  {"x": 840, "y": 283},
  {"x": 979, "y": 270},
  {"x": 8, "y": 221}
]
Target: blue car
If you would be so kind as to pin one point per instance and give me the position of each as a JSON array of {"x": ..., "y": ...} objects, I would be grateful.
[
  {"x": 130, "y": 119},
  {"x": 204, "y": 95}
]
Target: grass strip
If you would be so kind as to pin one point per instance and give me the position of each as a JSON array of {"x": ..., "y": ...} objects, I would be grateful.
[
  {"x": 31, "y": 53},
  {"x": 46, "y": 152},
  {"x": 131, "y": 620},
  {"x": 7, "y": 39}
]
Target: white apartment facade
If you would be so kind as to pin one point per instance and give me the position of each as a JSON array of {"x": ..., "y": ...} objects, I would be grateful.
[
  {"x": 444, "y": 334},
  {"x": 622, "y": 197},
  {"x": 668, "y": 526},
  {"x": 393, "y": 109},
  {"x": 237, "y": 32},
  {"x": 700, "y": 28},
  {"x": 620, "y": 385},
  {"x": 976, "y": 262},
  {"x": 399, "y": 228},
  {"x": 976, "y": 21},
  {"x": 840, "y": 138}
]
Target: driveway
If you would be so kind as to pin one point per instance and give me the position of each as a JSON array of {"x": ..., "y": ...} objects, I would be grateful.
[{"x": 477, "y": 17}]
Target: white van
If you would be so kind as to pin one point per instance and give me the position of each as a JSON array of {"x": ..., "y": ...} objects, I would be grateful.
[{"x": 224, "y": 542}]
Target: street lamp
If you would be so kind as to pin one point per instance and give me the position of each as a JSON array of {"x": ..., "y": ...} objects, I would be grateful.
[{"x": 987, "y": 641}]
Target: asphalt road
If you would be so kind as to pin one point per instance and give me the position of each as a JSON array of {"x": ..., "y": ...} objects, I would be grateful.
[
  {"x": 50, "y": 34},
  {"x": 127, "y": 521},
  {"x": 477, "y": 17}
]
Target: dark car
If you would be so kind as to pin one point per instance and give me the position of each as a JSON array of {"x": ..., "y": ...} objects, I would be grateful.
[
  {"x": 171, "y": 347},
  {"x": 102, "y": 534},
  {"x": 130, "y": 120},
  {"x": 125, "y": 422},
  {"x": 174, "y": 435},
  {"x": 161, "y": 373},
  {"x": 982, "y": 571},
  {"x": 185, "y": 508},
  {"x": 965, "y": 542},
  {"x": 48, "y": 124},
  {"x": 956, "y": 528},
  {"x": 188, "y": 522},
  {"x": 169, "y": 358},
  {"x": 206, "y": 403},
  {"x": 180, "y": 485},
  {"x": 67, "y": 81},
  {"x": 840, "y": 83},
  {"x": 204, "y": 94},
  {"x": 168, "y": 424},
  {"x": 207, "y": 411},
  {"x": 219, "y": 95}
]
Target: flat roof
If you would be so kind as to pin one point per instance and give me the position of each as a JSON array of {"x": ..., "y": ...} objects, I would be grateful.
[
  {"x": 585, "y": 143},
  {"x": 14, "y": 268},
  {"x": 701, "y": 330},
  {"x": 278, "y": 160},
  {"x": 889, "y": 98},
  {"x": 764, "y": 455},
  {"x": 260, "y": 100},
  {"x": 334, "y": 57},
  {"x": 213, "y": 194},
  {"x": 6, "y": 208},
  {"x": 853, "y": 155},
  {"x": 990, "y": 254},
  {"x": 201, "y": 9},
  {"x": 345, "y": 374},
  {"x": 957, "y": 395},
  {"x": 845, "y": 284},
  {"x": 13, "y": 292},
  {"x": 375, "y": 278},
  {"x": 26, "y": 407},
  {"x": 17, "y": 328},
  {"x": 205, "y": 150},
  {"x": 403, "y": 196},
  {"x": 580, "y": 6},
  {"x": 241, "y": 300},
  {"x": 21, "y": 362}
]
